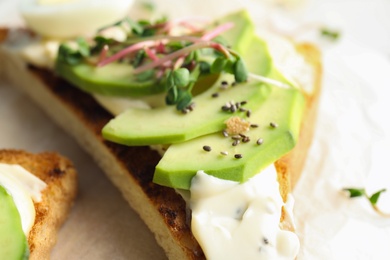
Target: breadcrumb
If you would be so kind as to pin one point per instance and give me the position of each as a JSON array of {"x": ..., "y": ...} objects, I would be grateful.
[{"x": 236, "y": 125}]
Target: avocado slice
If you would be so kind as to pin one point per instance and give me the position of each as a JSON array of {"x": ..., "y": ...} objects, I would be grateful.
[
  {"x": 13, "y": 242},
  {"x": 166, "y": 125},
  {"x": 114, "y": 79},
  {"x": 181, "y": 161}
]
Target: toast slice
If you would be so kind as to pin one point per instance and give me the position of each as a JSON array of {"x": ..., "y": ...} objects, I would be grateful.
[
  {"x": 131, "y": 168},
  {"x": 57, "y": 198}
]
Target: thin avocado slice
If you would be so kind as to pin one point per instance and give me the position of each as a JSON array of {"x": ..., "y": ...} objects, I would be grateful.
[
  {"x": 166, "y": 125},
  {"x": 181, "y": 161},
  {"x": 115, "y": 79},
  {"x": 13, "y": 242}
]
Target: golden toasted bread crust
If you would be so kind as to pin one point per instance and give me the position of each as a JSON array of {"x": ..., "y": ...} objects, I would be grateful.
[
  {"x": 131, "y": 168},
  {"x": 61, "y": 179}
]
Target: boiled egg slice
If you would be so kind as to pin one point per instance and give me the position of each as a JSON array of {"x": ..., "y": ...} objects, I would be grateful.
[{"x": 71, "y": 18}]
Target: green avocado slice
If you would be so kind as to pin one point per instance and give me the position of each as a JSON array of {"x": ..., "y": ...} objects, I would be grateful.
[
  {"x": 166, "y": 125},
  {"x": 115, "y": 79},
  {"x": 13, "y": 242},
  {"x": 181, "y": 161}
]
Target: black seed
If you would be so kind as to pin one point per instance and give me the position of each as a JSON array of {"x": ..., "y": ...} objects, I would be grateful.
[
  {"x": 254, "y": 125},
  {"x": 266, "y": 241},
  {"x": 207, "y": 148},
  {"x": 242, "y": 109},
  {"x": 233, "y": 109},
  {"x": 238, "y": 156},
  {"x": 242, "y": 135},
  {"x": 246, "y": 139},
  {"x": 224, "y": 84},
  {"x": 225, "y": 108},
  {"x": 233, "y": 83},
  {"x": 248, "y": 113},
  {"x": 238, "y": 104},
  {"x": 236, "y": 142},
  {"x": 214, "y": 95},
  {"x": 243, "y": 102},
  {"x": 224, "y": 153},
  {"x": 260, "y": 141},
  {"x": 273, "y": 125},
  {"x": 191, "y": 106},
  {"x": 236, "y": 137}
]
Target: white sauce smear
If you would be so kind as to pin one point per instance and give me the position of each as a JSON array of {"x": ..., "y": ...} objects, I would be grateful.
[
  {"x": 24, "y": 187},
  {"x": 240, "y": 221}
]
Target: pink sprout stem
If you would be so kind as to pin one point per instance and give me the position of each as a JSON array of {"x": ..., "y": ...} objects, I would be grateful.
[
  {"x": 103, "y": 53},
  {"x": 132, "y": 48},
  {"x": 217, "y": 31},
  {"x": 185, "y": 22},
  {"x": 151, "y": 53},
  {"x": 181, "y": 52},
  {"x": 159, "y": 42}
]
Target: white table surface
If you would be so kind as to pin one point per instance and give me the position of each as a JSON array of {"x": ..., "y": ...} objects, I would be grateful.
[{"x": 351, "y": 145}]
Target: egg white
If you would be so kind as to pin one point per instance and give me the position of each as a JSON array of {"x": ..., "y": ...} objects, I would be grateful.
[{"x": 71, "y": 18}]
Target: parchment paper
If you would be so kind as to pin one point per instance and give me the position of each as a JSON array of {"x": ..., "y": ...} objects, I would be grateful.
[{"x": 351, "y": 145}]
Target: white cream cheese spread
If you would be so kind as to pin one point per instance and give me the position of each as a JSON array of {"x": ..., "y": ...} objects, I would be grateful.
[
  {"x": 25, "y": 188},
  {"x": 240, "y": 221}
]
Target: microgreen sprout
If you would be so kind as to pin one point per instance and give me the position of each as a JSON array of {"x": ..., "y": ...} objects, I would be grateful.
[
  {"x": 373, "y": 199},
  {"x": 330, "y": 34},
  {"x": 157, "y": 55}
]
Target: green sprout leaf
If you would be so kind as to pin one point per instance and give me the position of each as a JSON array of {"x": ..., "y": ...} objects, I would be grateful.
[
  {"x": 184, "y": 99},
  {"x": 218, "y": 65},
  {"x": 229, "y": 66},
  {"x": 374, "y": 198},
  {"x": 240, "y": 72},
  {"x": 83, "y": 47},
  {"x": 100, "y": 42},
  {"x": 330, "y": 34},
  {"x": 139, "y": 58},
  {"x": 353, "y": 192},
  {"x": 204, "y": 67},
  {"x": 68, "y": 55},
  {"x": 181, "y": 77},
  {"x": 172, "y": 96},
  {"x": 146, "y": 75},
  {"x": 135, "y": 26}
]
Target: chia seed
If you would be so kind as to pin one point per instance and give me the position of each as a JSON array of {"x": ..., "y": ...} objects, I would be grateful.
[{"x": 207, "y": 148}]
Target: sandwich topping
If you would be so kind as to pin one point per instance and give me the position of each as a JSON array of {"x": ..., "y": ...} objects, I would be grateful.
[
  {"x": 213, "y": 96},
  {"x": 25, "y": 188},
  {"x": 19, "y": 189},
  {"x": 240, "y": 221}
]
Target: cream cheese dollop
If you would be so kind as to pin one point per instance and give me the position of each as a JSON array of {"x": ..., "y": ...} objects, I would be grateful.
[
  {"x": 240, "y": 221},
  {"x": 25, "y": 188}
]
